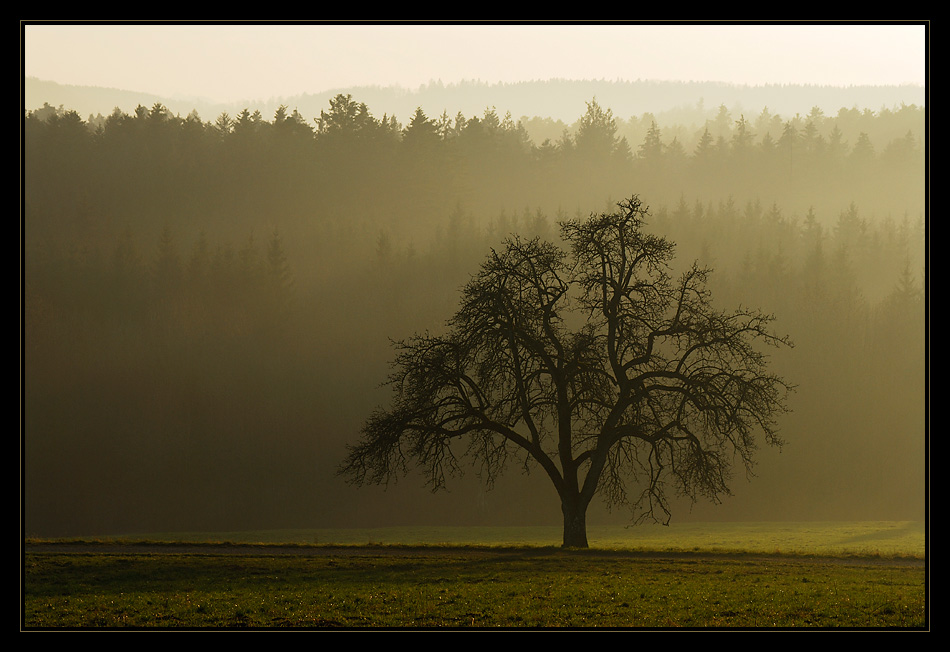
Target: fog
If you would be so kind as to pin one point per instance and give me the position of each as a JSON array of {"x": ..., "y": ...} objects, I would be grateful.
[{"x": 208, "y": 301}]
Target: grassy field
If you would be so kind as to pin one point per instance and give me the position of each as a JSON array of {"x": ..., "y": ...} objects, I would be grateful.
[{"x": 858, "y": 575}]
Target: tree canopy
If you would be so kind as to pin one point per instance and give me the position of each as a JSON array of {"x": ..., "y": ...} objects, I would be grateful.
[{"x": 591, "y": 362}]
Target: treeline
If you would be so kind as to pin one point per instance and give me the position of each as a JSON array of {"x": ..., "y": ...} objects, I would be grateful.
[
  {"x": 207, "y": 307},
  {"x": 350, "y": 170}
]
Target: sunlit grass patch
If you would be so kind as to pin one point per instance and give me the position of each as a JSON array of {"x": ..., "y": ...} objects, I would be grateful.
[{"x": 863, "y": 538}]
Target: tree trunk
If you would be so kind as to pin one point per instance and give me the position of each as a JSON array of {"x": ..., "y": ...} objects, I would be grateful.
[{"x": 575, "y": 524}]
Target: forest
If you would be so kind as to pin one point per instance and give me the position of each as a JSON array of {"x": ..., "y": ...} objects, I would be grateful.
[{"x": 207, "y": 305}]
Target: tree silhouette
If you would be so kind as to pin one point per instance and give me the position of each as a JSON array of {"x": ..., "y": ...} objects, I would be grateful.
[
  {"x": 596, "y": 137},
  {"x": 590, "y": 362}
]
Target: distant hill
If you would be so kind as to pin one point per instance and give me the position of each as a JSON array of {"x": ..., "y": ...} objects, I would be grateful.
[{"x": 683, "y": 103}]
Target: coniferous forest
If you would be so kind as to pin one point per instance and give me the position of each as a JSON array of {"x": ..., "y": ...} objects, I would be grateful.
[{"x": 208, "y": 303}]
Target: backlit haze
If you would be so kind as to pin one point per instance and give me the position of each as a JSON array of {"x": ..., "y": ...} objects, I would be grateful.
[
  {"x": 237, "y": 62},
  {"x": 224, "y": 227}
]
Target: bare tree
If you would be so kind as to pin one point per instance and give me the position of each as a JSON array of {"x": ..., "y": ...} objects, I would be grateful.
[{"x": 591, "y": 362}]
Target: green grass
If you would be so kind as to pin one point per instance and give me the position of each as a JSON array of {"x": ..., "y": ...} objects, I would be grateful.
[
  {"x": 501, "y": 579},
  {"x": 466, "y": 590}
]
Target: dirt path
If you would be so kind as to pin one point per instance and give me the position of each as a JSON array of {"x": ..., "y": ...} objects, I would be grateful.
[{"x": 448, "y": 551}]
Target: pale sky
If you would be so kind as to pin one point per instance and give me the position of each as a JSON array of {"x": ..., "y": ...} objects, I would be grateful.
[{"x": 257, "y": 61}]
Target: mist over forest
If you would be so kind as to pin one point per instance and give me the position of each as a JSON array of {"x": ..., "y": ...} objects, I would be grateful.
[{"x": 208, "y": 300}]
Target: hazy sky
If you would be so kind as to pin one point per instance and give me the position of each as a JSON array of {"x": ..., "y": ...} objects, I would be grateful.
[{"x": 256, "y": 61}]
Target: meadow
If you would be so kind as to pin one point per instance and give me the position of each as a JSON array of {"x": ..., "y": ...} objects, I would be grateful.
[{"x": 694, "y": 576}]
